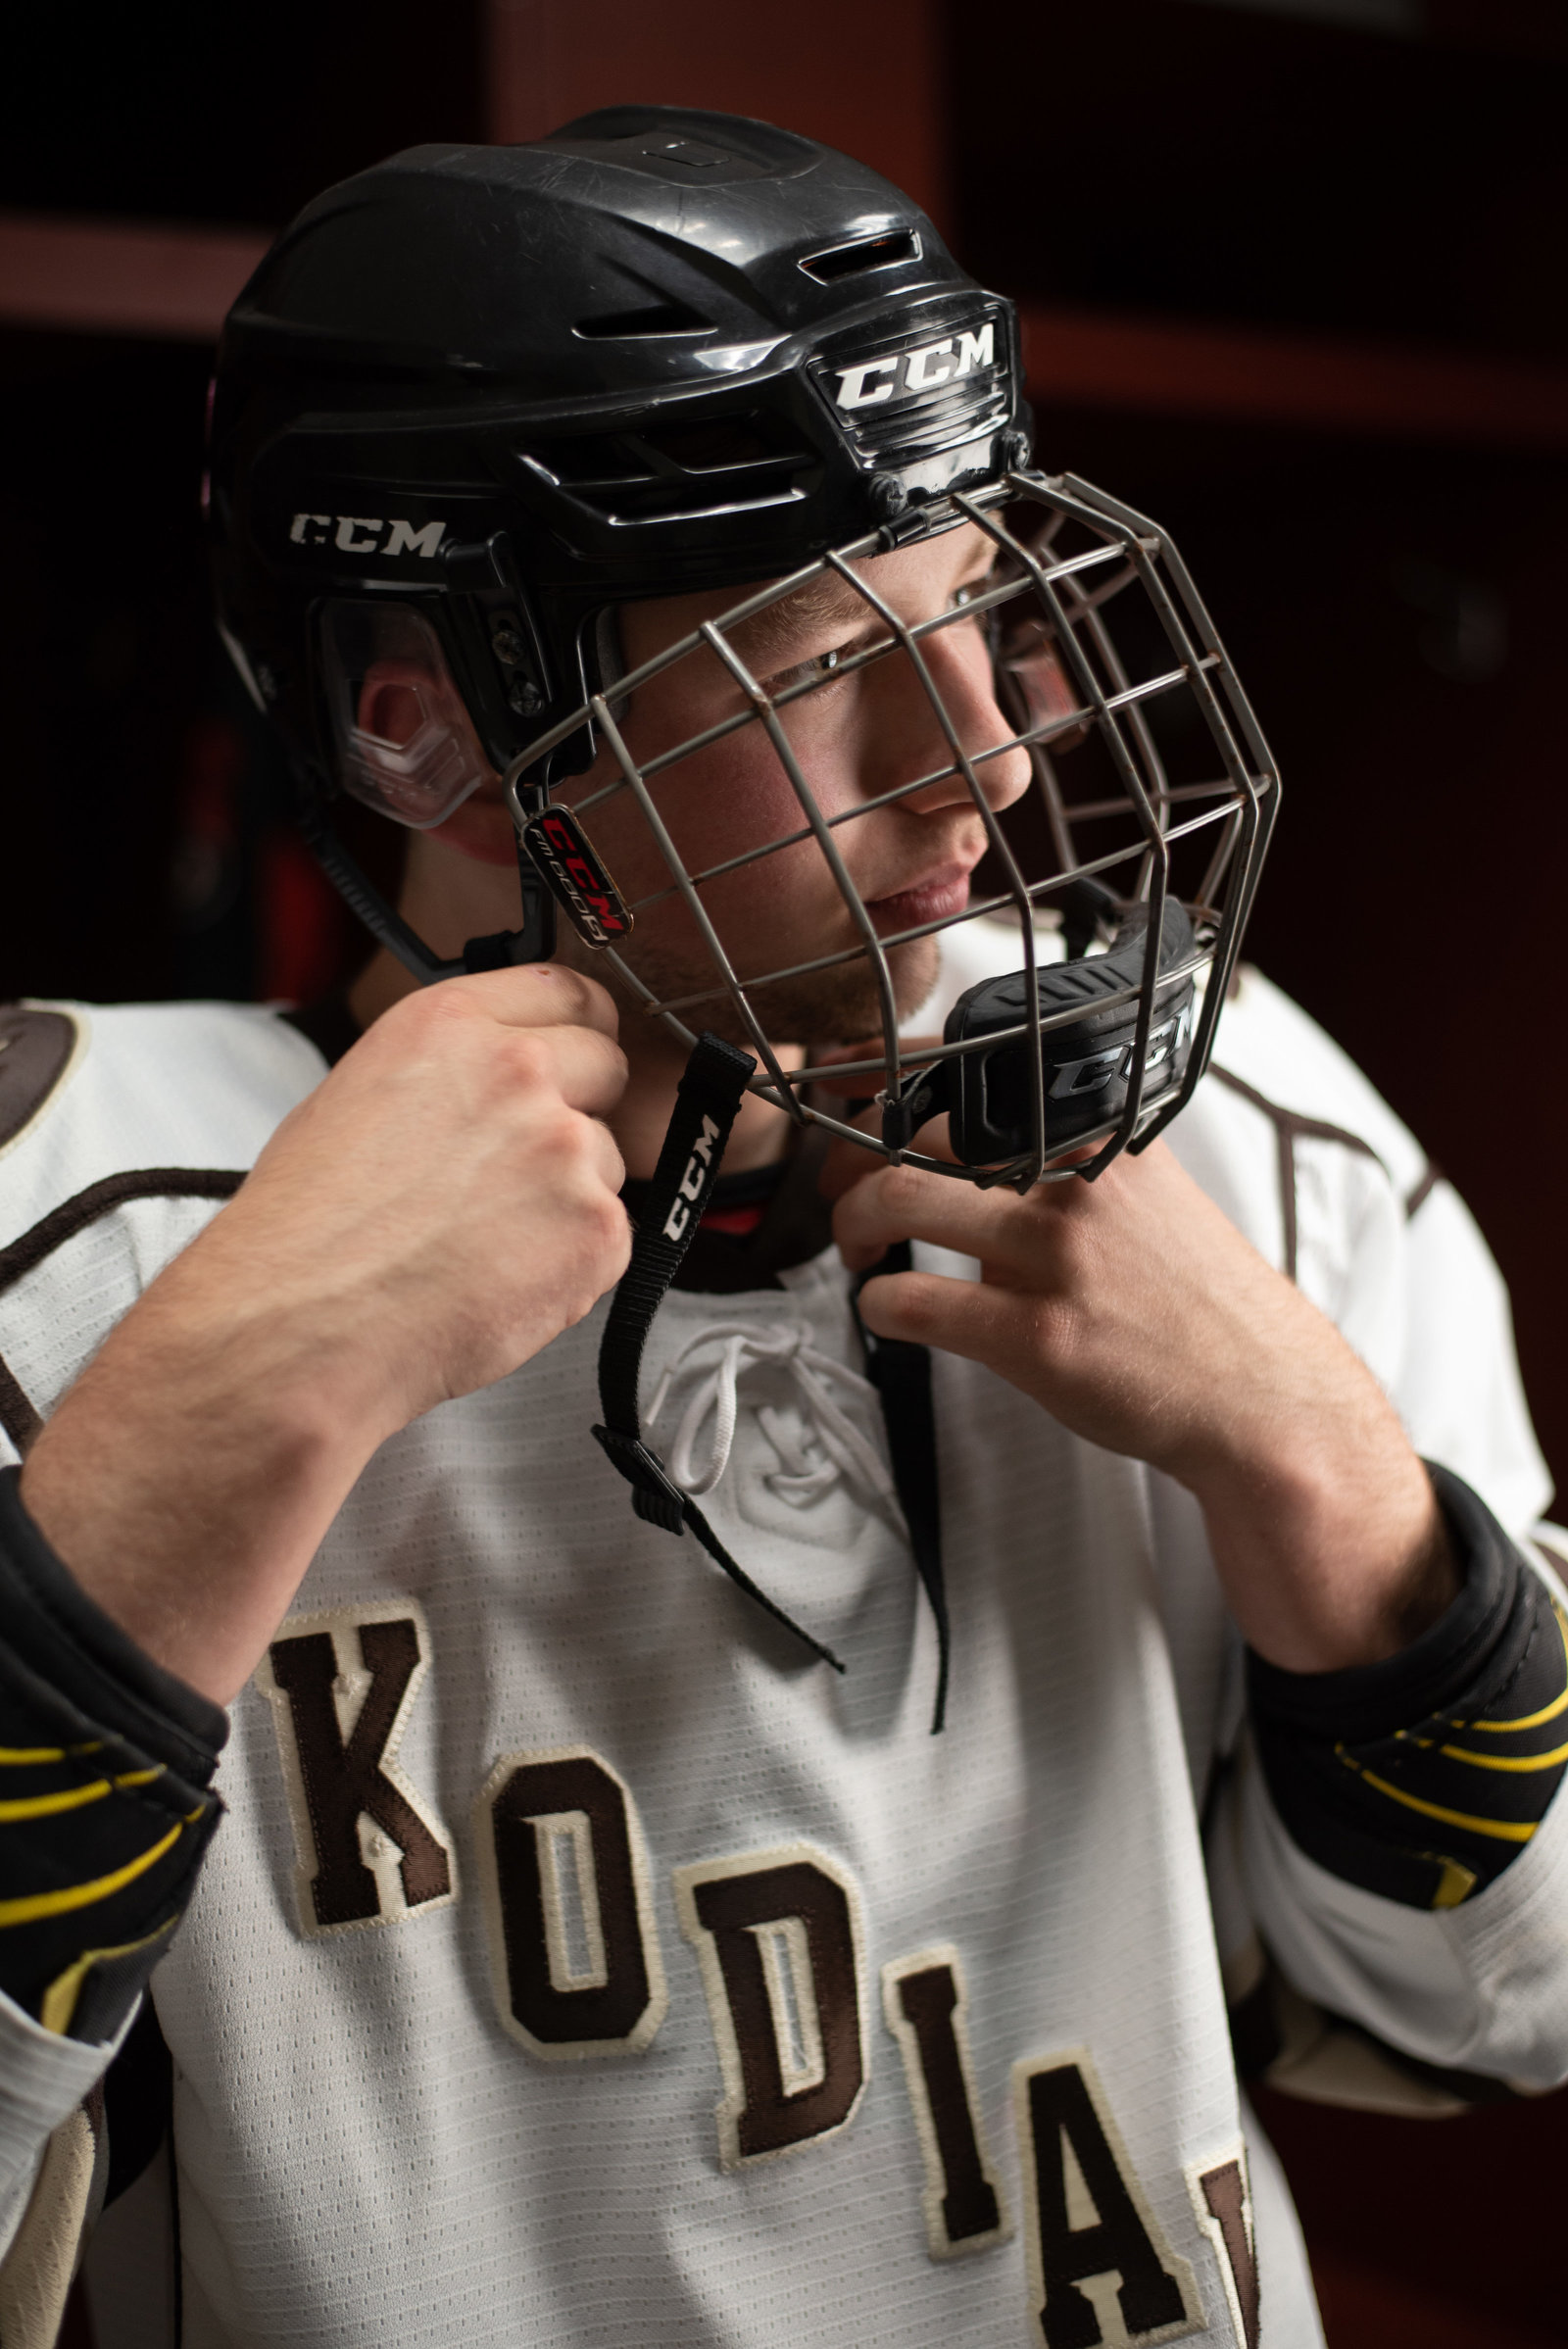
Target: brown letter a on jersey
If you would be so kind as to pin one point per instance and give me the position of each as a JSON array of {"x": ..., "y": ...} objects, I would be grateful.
[
  {"x": 1088, "y": 2216},
  {"x": 336, "y": 1781}
]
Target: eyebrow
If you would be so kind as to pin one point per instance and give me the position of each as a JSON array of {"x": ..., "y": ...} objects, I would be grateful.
[{"x": 779, "y": 628}]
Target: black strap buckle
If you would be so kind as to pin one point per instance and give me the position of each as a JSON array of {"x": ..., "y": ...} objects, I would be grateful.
[{"x": 653, "y": 1495}]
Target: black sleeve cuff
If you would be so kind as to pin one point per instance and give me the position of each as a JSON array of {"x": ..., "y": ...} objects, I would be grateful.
[
  {"x": 55, "y": 1629},
  {"x": 1423, "y": 1776},
  {"x": 106, "y": 1802}
]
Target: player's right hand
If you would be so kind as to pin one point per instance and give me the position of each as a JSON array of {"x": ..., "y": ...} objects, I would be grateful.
[
  {"x": 446, "y": 1203},
  {"x": 436, "y": 1212}
]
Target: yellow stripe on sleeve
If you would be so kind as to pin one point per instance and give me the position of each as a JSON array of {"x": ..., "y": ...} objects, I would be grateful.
[
  {"x": 45, "y": 1807},
  {"x": 1507, "y": 1761},
  {"x": 32, "y": 1905},
  {"x": 15, "y": 1757},
  {"x": 71, "y": 1798},
  {"x": 59, "y": 2000},
  {"x": 1502, "y": 1831}
]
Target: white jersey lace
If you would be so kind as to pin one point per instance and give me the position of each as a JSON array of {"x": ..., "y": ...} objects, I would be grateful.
[{"x": 719, "y": 1357}]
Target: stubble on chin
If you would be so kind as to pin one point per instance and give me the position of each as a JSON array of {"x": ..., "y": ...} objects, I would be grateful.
[{"x": 823, "y": 1008}]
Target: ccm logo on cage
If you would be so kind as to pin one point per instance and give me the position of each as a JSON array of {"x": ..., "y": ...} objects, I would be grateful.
[
  {"x": 360, "y": 534},
  {"x": 918, "y": 371},
  {"x": 562, "y": 852}
]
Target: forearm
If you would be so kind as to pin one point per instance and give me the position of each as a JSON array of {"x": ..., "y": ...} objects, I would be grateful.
[
  {"x": 107, "y": 1763},
  {"x": 189, "y": 1476}
]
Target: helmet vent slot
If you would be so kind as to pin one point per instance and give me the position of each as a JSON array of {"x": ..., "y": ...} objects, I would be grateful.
[
  {"x": 658, "y": 319},
  {"x": 866, "y": 253},
  {"x": 671, "y": 469},
  {"x": 719, "y": 447}
]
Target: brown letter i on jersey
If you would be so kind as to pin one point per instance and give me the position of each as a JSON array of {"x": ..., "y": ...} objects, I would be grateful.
[
  {"x": 342, "y": 1686},
  {"x": 778, "y": 1937},
  {"x": 924, "y": 2001}
]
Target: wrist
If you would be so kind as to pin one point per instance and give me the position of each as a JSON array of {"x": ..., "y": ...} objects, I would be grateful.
[
  {"x": 1332, "y": 1554},
  {"x": 189, "y": 1476}
]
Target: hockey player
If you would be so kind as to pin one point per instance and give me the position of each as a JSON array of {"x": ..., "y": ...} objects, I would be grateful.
[{"x": 583, "y": 1956}]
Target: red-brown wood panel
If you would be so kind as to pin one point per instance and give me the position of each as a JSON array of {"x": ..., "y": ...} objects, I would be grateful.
[{"x": 864, "y": 76}]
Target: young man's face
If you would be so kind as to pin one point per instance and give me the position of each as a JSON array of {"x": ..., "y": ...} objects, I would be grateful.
[{"x": 856, "y": 738}]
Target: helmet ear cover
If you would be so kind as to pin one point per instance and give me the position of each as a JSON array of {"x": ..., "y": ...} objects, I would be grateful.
[{"x": 402, "y": 737}]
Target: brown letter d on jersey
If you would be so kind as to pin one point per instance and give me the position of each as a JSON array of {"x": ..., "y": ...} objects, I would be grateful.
[{"x": 778, "y": 1937}]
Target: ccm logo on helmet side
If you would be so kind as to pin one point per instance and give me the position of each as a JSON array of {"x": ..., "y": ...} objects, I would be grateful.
[
  {"x": 871, "y": 380},
  {"x": 360, "y": 534}
]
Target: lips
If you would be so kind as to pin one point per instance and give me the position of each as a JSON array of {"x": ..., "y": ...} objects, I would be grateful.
[{"x": 939, "y": 897}]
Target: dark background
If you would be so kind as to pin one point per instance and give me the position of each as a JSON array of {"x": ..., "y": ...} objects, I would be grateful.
[{"x": 1385, "y": 173}]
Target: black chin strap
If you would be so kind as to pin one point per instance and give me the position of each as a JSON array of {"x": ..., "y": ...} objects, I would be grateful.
[
  {"x": 901, "y": 1373},
  {"x": 500, "y": 950},
  {"x": 706, "y": 1101}
]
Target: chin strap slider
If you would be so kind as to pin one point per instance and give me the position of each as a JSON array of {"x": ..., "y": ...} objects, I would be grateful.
[{"x": 653, "y": 1495}]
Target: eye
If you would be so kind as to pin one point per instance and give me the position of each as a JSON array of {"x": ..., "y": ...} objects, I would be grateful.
[
  {"x": 812, "y": 672},
  {"x": 973, "y": 589}
]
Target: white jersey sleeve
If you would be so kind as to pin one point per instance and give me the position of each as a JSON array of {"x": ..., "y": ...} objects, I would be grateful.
[
  {"x": 122, "y": 1133},
  {"x": 1388, "y": 1251}
]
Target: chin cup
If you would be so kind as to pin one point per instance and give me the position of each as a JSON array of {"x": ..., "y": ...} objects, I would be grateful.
[{"x": 1086, "y": 1062}]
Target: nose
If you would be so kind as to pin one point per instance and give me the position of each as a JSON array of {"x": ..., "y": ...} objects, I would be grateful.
[{"x": 913, "y": 741}]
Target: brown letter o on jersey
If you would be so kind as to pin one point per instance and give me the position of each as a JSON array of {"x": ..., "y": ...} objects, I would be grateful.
[{"x": 573, "y": 1945}]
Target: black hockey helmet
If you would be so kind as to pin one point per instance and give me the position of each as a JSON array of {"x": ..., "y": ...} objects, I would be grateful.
[
  {"x": 510, "y": 387},
  {"x": 477, "y": 399}
]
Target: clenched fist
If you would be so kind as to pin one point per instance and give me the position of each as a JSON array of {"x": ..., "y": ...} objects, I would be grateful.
[
  {"x": 436, "y": 1212},
  {"x": 446, "y": 1203}
]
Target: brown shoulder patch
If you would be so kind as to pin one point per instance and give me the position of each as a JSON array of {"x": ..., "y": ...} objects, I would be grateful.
[{"x": 36, "y": 1048}]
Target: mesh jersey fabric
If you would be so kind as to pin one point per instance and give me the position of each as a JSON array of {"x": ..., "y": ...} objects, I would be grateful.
[{"x": 363, "y": 2148}]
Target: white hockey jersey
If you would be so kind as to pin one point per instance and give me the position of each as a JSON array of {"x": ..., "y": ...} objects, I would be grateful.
[{"x": 579, "y": 1965}]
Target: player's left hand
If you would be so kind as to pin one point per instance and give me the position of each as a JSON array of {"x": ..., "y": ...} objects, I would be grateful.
[{"x": 1133, "y": 1310}]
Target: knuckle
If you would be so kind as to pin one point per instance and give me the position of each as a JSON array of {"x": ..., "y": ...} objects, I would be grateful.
[
  {"x": 612, "y": 1228},
  {"x": 584, "y": 1002},
  {"x": 436, "y": 1007},
  {"x": 560, "y": 1136},
  {"x": 597, "y": 999},
  {"x": 922, "y": 1299},
  {"x": 530, "y": 1064},
  {"x": 901, "y": 1188},
  {"x": 413, "y": 1017}
]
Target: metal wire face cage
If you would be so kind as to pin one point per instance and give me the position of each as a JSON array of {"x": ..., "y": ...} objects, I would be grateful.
[{"x": 1125, "y": 872}]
